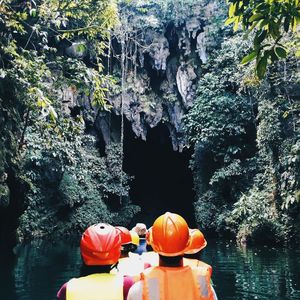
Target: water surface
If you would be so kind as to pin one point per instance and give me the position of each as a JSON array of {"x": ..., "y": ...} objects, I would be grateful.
[{"x": 39, "y": 269}]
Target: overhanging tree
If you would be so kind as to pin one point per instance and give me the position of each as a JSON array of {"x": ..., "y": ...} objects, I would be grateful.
[{"x": 271, "y": 21}]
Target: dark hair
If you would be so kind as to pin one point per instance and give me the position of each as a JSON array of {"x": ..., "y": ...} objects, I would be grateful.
[
  {"x": 171, "y": 260},
  {"x": 88, "y": 270},
  {"x": 128, "y": 248}
]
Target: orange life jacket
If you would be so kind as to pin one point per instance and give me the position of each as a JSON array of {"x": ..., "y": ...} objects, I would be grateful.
[
  {"x": 172, "y": 283},
  {"x": 95, "y": 287},
  {"x": 153, "y": 258}
]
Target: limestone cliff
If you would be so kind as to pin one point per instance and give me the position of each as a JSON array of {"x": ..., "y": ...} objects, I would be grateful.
[{"x": 165, "y": 48}]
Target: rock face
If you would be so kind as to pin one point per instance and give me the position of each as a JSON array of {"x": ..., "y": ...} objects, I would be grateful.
[
  {"x": 184, "y": 78},
  {"x": 192, "y": 26},
  {"x": 163, "y": 63},
  {"x": 159, "y": 51},
  {"x": 201, "y": 47},
  {"x": 163, "y": 87}
]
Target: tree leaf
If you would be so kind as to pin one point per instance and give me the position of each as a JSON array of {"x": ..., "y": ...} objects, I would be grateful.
[
  {"x": 286, "y": 24},
  {"x": 256, "y": 17},
  {"x": 251, "y": 56},
  {"x": 260, "y": 36},
  {"x": 230, "y": 20},
  {"x": 262, "y": 66},
  {"x": 273, "y": 55},
  {"x": 294, "y": 24},
  {"x": 280, "y": 52},
  {"x": 236, "y": 24},
  {"x": 232, "y": 9}
]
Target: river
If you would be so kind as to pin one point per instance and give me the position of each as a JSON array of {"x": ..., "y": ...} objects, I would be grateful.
[{"x": 40, "y": 268}]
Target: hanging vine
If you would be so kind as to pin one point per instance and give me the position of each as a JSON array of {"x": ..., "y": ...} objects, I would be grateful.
[{"x": 123, "y": 67}]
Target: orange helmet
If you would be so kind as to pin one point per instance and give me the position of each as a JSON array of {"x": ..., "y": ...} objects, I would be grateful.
[
  {"x": 125, "y": 235},
  {"x": 169, "y": 235},
  {"x": 197, "y": 243},
  {"x": 100, "y": 245}
]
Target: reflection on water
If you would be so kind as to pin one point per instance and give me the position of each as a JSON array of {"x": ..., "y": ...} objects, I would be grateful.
[
  {"x": 39, "y": 269},
  {"x": 254, "y": 273}
]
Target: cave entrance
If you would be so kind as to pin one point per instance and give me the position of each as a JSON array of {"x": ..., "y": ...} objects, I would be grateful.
[{"x": 162, "y": 179}]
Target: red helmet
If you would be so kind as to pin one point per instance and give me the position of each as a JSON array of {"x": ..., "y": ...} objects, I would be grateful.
[
  {"x": 100, "y": 245},
  {"x": 125, "y": 235},
  {"x": 169, "y": 235},
  {"x": 197, "y": 242}
]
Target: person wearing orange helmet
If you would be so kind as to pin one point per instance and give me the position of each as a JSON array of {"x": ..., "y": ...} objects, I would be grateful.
[
  {"x": 171, "y": 238},
  {"x": 100, "y": 249},
  {"x": 197, "y": 243}
]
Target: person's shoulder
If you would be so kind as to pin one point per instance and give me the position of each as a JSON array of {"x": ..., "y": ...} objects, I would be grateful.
[
  {"x": 61, "y": 294},
  {"x": 136, "y": 291},
  {"x": 128, "y": 281},
  {"x": 203, "y": 268}
]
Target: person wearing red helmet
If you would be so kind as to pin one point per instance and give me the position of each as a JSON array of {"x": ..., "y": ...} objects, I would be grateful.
[
  {"x": 100, "y": 248},
  {"x": 171, "y": 238},
  {"x": 129, "y": 241}
]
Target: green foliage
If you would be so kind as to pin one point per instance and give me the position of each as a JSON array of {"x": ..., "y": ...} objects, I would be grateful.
[
  {"x": 245, "y": 136},
  {"x": 220, "y": 118},
  {"x": 269, "y": 130},
  {"x": 255, "y": 212},
  {"x": 289, "y": 178},
  {"x": 30, "y": 46},
  {"x": 10, "y": 160},
  {"x": 4, "y": 195},
  {"x": 228, "y": 172},
  {"x": 34, "y": 71},
  {"x": 69, "y": 181},
  {"x": 270, "y": 21},
  {"x": 207, "y": 210},
  {"x": 210, "y": 115}
]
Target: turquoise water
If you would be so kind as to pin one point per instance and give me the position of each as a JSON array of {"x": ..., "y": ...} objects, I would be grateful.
[{"x": 39, "y": 269}]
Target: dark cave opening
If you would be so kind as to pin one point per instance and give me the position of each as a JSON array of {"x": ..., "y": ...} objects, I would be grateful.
[{"x": 163, "y": 181}]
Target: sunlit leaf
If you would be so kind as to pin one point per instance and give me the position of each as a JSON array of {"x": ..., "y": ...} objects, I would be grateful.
[
  {"x": 230, "y": 21},
  {"x": 232, "y": 9},
  {"x": 256, "y": 17},
  {"x": 251, "y": 56}
]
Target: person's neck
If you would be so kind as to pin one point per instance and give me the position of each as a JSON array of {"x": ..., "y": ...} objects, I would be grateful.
[{"x": 174, "y": 264}]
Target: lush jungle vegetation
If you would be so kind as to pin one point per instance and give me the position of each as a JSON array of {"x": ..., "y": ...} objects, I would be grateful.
[
  {"x": 48, "y": 165},
  {"x": 55, "y": 79},
  {"x": 246, "y": 130}
]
